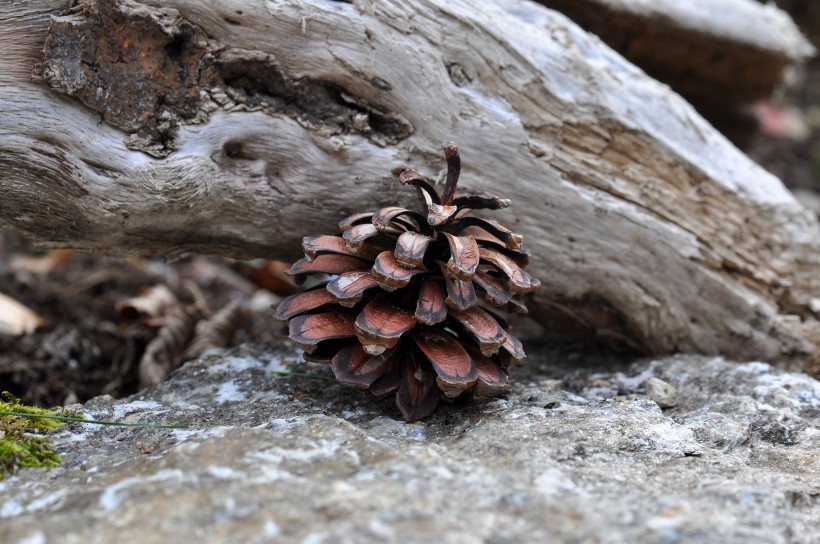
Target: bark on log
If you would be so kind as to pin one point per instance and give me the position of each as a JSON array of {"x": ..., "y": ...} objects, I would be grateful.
[{"x": 237, "y": 128}]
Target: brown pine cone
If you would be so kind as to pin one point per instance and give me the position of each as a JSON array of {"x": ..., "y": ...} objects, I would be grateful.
[{"x": 401, "y": 311}]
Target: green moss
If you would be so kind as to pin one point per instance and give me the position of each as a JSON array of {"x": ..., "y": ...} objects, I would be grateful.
[{"x": 19, "y": 445}]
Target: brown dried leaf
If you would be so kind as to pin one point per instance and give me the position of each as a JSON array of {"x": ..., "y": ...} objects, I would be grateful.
[
  {"x": 381, "y": 324},
  {"x": 152, "y": 303},
  {"x": 418, "y": 395},
  {"x": 353, "y": 366},
  {"x": 308, "y": 330},
  {"x": 218, "y": 331},
  {"x": 217, "y": 275},
  {"x": 270, "y": 274},
  {"x": 453, "y": 365},
  {"x": 167, "y": 350},
  {"x": 302, "y": 302},
  {"x": 41, "y": 264},
  {"x": 460, "y": 294},
  {"x": 483, "y": 327},
  {"x": 390, "y": 274},
  {"x": 463, "y": 256},
  {"x": 350, "y": 287},
  {"x": 200, "y": 304},
  {"x": 17, "y": 319},
  {"x": 410, "y": 249},
  {"x": 431, "y": 308}
]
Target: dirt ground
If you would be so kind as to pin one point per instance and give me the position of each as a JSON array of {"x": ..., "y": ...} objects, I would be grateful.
[{"x": 85, "y": 347}]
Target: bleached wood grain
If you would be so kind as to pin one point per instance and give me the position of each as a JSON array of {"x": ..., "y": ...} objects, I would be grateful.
[{"x": 747, "y": 22}]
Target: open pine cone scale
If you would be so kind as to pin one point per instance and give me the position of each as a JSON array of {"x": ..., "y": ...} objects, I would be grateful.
[{"x": 401, "y": 310}]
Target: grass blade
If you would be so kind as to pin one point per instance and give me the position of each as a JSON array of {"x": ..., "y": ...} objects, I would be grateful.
[
  {"x": 302, "y": 375},
  {"x": 94, "y": 421}
]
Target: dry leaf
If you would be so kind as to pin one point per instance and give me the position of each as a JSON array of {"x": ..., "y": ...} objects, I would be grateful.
[
  {"x": 151, "y": 303},
  {"x": 270, "y": 275},
  {"x": 41, "y": 264},
  {"x": 167, "y": 350},
  {"x": 16, "y": 319},
  {"x": 218, "y": 331}
]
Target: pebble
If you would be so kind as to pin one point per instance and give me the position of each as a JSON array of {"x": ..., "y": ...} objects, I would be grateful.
[{"x": 664, "y": 394}]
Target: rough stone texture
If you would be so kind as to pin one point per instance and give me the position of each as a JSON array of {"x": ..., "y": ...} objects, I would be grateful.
[
  {"x": 576, "y": 453},
  {"x": 663, "y": 394}
]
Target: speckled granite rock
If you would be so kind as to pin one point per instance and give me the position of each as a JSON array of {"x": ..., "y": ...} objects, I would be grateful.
[{"x": 576, "y": 453}]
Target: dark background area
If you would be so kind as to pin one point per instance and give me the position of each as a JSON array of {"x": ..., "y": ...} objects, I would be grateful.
[{"x": 791, "y": 151}]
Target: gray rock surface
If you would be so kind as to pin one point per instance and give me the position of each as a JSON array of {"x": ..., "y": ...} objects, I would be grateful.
[{"x": 576, "y": 453}]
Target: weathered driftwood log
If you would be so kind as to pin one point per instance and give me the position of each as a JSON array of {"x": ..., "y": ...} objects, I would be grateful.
[
  {"x": 236, "y": 128},
  {"x": 727, "y": 51},
  {"x": 720, "y": 56}
]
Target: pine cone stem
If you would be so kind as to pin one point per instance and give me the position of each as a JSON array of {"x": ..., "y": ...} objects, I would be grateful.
[{"x": 453, "y": 172}]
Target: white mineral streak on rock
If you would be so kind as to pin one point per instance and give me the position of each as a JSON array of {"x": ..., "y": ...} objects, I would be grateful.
[
  {"x": 113, "y": 496},
  {"x": 229, "y": 392},
  {"x": 120, "y": 411}
]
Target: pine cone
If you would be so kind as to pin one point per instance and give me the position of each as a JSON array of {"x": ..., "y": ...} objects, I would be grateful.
[{"x": 400, "y": 311}]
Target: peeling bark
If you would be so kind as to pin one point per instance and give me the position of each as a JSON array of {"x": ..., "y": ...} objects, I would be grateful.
[{"x": 247, "y": 126}]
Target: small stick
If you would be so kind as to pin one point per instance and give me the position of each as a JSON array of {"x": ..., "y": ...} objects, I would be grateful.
[{"x": 453, "y": 171}]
